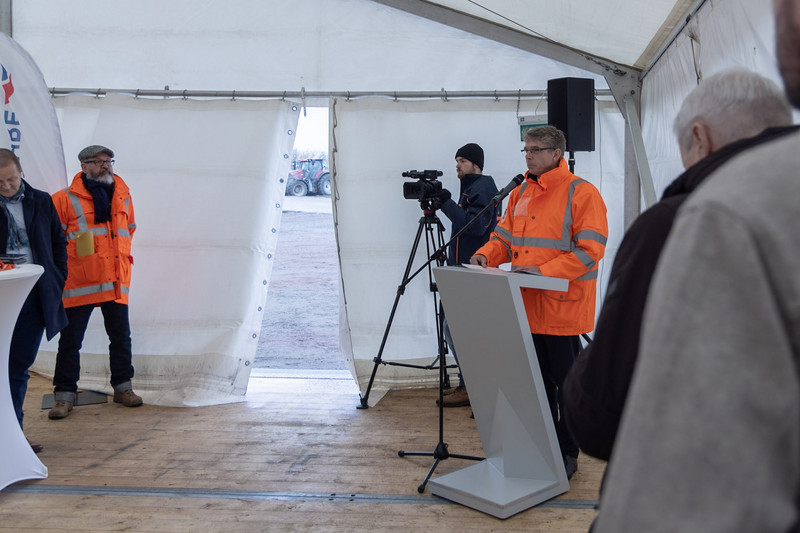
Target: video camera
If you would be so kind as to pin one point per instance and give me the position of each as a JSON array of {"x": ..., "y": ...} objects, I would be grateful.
[{"x": 426, "y": 186}]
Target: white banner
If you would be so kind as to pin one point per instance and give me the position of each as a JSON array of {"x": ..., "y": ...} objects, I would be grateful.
[{"x": 30, "y": 126}]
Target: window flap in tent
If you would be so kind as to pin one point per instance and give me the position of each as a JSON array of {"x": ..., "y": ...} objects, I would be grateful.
[
  {"x": 206, "y": 182},
  {"x": 375, "y": 141}
]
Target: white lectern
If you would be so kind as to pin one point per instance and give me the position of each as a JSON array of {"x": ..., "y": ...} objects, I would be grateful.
[
  {"x": 17, "y": 462},
  {"x": 523, "y": 465}
]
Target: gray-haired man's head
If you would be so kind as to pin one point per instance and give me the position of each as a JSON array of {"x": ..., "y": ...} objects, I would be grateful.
[{"x": 728, "y": 106}]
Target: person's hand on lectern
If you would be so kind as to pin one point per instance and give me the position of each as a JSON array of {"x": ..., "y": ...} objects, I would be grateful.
[{"x": 478, "y": 259}]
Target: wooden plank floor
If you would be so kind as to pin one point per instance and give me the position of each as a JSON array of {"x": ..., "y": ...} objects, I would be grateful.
[{"x": 296, "y": 456}]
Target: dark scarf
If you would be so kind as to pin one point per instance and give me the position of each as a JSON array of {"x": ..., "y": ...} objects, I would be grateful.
[
  {"x": 15, "y": 238},
  {"x": 101, "y": 194}
]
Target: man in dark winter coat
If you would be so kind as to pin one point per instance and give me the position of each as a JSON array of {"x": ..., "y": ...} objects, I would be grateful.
[
  {"x": 29, "y": 226},
  {"x": 477, "y": 191},
  {"x": 726, "y": 114}
]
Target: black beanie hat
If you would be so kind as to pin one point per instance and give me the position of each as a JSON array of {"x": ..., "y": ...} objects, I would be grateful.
[{"x": 471, "y": 152}]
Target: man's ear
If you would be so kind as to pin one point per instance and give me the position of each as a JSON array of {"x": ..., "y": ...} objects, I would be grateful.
[{"x": 702, "y": 143}]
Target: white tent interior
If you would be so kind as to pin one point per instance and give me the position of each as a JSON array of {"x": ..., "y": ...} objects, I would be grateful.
[{"x": 200, "y": 98}]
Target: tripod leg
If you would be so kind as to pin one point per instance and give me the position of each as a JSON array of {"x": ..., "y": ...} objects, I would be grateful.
[
  {"x": 441, "y": 452},
  {"x": 400, "y": 290},
  {"x": 377, "y": 360},
  {"x": 422, "y": 485}
]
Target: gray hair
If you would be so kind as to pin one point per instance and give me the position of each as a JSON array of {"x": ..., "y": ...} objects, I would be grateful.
[
  {"x": 549, "y": 135},
  {"x": 733, "y": 104}
]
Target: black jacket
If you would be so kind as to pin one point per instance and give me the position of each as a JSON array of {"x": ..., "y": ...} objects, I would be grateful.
[
  {"x": 49, "y": 248},
  {"x": 476, "y": 193},
  {"x": 597, "y": 385}
]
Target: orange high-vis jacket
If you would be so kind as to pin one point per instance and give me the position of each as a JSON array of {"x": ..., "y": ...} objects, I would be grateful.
[
  {"x": 105, "y": 274},
  {"x": 557, "y": 223}
]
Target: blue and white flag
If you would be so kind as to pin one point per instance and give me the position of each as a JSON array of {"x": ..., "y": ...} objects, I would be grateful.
[{"x": 29, "y": 122}]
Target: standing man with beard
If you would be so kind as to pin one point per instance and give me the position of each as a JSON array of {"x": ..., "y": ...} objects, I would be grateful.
[
  {"x": 476, "y": 192},
  {"x": 710, "y": 435},
  {"x": 96, "y": 213}
]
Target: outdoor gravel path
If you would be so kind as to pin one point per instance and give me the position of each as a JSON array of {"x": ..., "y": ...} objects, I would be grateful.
[{"x": 301, "y": 317}]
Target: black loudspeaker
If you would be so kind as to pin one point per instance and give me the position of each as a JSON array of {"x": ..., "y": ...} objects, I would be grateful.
[{"x": 570, "y": 108}]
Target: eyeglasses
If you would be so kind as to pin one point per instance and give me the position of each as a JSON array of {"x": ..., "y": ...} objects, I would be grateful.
[
  {"x": 536, "y": 150},
  {"x": 100, "y": 162}
]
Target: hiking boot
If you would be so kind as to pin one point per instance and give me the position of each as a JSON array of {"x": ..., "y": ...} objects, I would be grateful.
[
  {"x": 60, "y": 410},
  {"x": 458, "y": 398},
  {"x": 127, "y": 398}
]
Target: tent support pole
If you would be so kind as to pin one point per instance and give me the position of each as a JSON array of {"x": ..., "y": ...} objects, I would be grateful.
[
  {"x": 638, "y": 179},
  {"x": 6, "y": 24}
]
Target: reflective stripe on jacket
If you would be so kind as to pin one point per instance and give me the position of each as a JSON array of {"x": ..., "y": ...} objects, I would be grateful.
[
  {"x": 557, "y": 223},
  {"x": 104, "y": 275}
]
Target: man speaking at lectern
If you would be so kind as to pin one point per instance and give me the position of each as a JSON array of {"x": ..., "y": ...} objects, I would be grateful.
[{"x": 555, "y": 224}]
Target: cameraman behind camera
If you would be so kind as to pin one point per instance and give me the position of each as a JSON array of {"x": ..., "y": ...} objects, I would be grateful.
[{"x": 476, "y": 193}]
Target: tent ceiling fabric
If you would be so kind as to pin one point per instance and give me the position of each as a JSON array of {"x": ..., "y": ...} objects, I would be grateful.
[{"x": 599, "y": 28}]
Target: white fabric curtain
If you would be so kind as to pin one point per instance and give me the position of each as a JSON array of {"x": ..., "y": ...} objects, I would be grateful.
[
  {"x": 207, "y": 181},
  {"x": 374, "y": 141},
  {"x": 735, "y": 33}
]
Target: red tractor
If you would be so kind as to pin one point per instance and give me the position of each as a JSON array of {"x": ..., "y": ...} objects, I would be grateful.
[{"x": 308, "y": 176}]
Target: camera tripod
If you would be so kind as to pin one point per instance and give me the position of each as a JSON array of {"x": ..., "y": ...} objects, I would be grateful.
[
  {"x": 441, "y": 452},
  {"x": 432, "y": 227},
  {"x": 426, "y": 225}
]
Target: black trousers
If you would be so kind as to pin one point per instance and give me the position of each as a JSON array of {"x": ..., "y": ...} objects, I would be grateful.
[
  {"x": 24, "y": 347},
  {"x": 68, "y": 360},
  {"x": 556, "y": 355}
]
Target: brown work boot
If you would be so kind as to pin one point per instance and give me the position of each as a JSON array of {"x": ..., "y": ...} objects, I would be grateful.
[
  {"x": 60, "y": 410},
  {"x": 449, "y": 391},
  {"x": 128, "y": 398},
  {"x": 458, "y": 398}
]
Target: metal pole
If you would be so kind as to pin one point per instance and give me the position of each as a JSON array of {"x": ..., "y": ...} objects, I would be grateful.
[
  {"x": 5, "y": 17},
  {"x": 394, "y": 95}
]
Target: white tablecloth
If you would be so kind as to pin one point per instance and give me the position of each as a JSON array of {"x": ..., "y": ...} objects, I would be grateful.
[{"x": 17, "y": 460}]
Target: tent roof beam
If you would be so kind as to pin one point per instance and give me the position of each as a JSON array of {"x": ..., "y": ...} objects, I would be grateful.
[
  {"x": 621, "y": 79},
  {"x": 502, "y": 34},
  {"x": 624, "y": 81},
  {"x": 303, "y": 94}
]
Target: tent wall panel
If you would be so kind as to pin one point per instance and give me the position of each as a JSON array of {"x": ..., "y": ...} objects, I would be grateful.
[
  {"x": 735, "y": 33},
  {"x": 206, "y": 183},
  {"x": 377, "y": 140}
]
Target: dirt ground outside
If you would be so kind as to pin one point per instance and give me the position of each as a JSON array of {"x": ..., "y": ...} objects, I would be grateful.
[{"x": 301, "y": 317}]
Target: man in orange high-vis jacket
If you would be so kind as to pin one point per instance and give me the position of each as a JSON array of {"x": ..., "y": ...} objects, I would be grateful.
[
  {"x": 96, "y": 214},
  {"x": 555, "y": 224}
]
